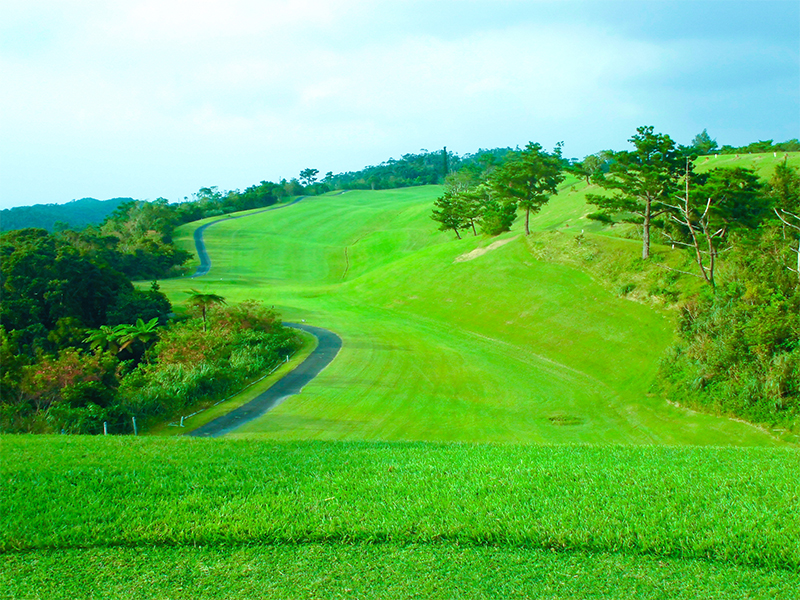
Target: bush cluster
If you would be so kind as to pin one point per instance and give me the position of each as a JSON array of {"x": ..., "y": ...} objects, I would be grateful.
[
  {"x": 76, "y": 390},
  {"x": 189, "y": 366},
  {"x": 738, "y": 350}
]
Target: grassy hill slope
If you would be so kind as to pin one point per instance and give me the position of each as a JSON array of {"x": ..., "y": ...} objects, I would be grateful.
[
  {"x": 441, "y": 343},
  {"x": 445, "y": 343}
]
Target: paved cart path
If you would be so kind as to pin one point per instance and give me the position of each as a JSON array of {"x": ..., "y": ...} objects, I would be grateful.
[{"x": 292, "y": 383}]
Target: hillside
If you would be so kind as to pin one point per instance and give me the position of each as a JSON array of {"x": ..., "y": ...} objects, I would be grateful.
[
  {"x": 76, "y": 214},
  {"x": 486, "y": 431},
  {"x": 445, "y": 343}
]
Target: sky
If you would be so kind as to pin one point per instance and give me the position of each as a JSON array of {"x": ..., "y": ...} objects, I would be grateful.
[{"x": 158, "y": 98}]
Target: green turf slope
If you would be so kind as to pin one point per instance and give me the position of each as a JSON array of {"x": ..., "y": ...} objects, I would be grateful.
[
  {"x": 445, "y": 343},
  {"x": 440, "y": 343}
]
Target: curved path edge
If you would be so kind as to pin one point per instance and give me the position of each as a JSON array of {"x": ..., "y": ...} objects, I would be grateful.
[
  {"x": 200, "y": 245},
  {"x": 290, "y": 384}
]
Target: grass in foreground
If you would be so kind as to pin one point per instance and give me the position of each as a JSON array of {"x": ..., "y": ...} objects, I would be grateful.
[
  {"x": 733, "y": 505},
  {"x": 217, "y": 518},
  {"x": 377, "y": 571}
]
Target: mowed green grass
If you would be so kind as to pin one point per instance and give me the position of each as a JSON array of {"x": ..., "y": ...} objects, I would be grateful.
[
  {"x": 499, "y": 348},
  {"x": 382, "y": 571},
  {"x": 182, "y": 517},
  {"x": 761, "y": 163},
  {"x": 376, "y": 571}
]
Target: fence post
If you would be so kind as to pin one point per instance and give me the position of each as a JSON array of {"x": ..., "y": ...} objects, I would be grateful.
[
  {"x": 135, "y": 431},
  {"x": 105, "y": 427}
]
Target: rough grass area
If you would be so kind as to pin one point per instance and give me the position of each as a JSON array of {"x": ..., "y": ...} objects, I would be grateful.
[
  {"x": 663, "y": 280},
  {"x": 156, "y": 517}
]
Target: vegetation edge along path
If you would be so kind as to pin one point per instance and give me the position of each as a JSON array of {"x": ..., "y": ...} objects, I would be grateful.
[
  {"x": 326, "y": 350},
  {"x": 292, "y": 383}
]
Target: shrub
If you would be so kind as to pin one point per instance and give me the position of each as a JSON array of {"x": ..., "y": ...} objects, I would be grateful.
[{"x": 189, "y": 366}]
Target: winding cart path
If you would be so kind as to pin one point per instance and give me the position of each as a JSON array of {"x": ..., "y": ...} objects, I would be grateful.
[
  {"x": 200, "y": 245},
  {"x": 293, "y": 382}
]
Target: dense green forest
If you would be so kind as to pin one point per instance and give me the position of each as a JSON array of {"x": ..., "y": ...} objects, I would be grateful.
[
  {"x": 89, "y": 348},
  {"x": 80, "y": 345},
  {"x": 72, "y": 215}
]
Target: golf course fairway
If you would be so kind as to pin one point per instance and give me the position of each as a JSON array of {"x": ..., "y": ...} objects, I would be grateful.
[
  {"x": 469, "y": 340},
  {"x": 486, "y": 430}
]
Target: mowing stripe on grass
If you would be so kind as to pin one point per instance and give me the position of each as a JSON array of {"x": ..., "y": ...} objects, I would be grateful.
[
  {"x": 368, "y": 571},
  {"x": 420, "y": 361},
  {"x": 734, "y": 506},
  {"x": 200, "y": 245}
]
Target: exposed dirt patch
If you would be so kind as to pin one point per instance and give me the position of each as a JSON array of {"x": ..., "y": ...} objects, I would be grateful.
[
  {"x": 566, "y": 420},
  {"x": 481, "y": 251}
]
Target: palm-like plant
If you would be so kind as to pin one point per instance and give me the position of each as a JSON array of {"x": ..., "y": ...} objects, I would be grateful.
[
  {"x": 104, "y": 338},
  {"x": 204, "y": 302},
  {"x": 139, "y": 331},
  {"x": 119, "y": 338}
]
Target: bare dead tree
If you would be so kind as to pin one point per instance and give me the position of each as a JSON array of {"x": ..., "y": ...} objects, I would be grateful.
[
  {"x": 705, "y": 237},
  {"x": 785, "y": 216}
]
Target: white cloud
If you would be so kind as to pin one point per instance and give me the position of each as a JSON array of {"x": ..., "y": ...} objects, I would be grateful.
[{"x": 229, "y": 93}]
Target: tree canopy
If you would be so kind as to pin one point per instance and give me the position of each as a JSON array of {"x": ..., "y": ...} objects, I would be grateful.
[
  {"x": 203, "y": 302},
  {"x": 714, "y": 205},
  {"x": 703, "y": 144},
  {"x": 641, "y": 181},
  {"x": 528, "y": 178}
]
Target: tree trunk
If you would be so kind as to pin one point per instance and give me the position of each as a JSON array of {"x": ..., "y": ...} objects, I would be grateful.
[
  {"x": 707, "y": 273},
  {"x": 458, "y": 235},
  {"x": 711, "y": 263},
  {"x": 527, "y": 220}
]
